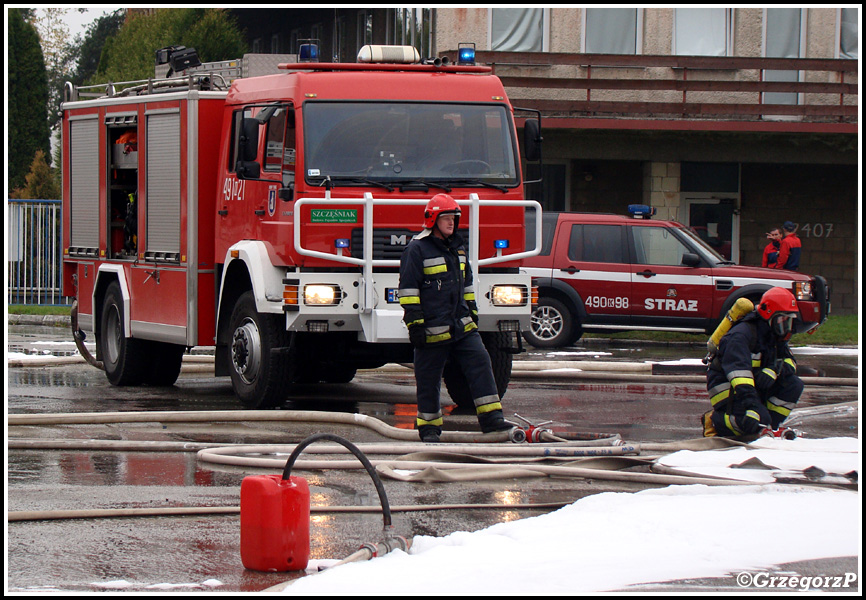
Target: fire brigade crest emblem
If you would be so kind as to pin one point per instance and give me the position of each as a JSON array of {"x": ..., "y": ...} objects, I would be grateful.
[{"x": 272, "y": 201}]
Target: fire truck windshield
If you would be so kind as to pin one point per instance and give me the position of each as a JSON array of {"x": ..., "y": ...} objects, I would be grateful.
[{"x": 369, "y": 143}]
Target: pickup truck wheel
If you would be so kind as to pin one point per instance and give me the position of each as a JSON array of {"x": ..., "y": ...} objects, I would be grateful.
[
  {"x": 551, "y": 325},
  {"x": 260, "y": 377},
  {"x": 124, "y": 358}
]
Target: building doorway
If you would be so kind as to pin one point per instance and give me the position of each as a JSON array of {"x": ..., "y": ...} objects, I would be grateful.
[
  {"x": 710, "y": 197},
  {"x": 716, "y": 221}
]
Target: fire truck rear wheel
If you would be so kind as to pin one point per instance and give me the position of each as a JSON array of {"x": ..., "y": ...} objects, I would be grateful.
[
  {"x": 165, "y": 362},
  {"x": 125, "y": 358},
  {"x": 260, "y": 377}
]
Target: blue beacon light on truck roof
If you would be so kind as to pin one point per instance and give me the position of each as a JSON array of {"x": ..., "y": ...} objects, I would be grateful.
[
  {"x": 308, "y": 53},
  {"x": 466, "y": 54},
  {"x": 641, "y": 211}
]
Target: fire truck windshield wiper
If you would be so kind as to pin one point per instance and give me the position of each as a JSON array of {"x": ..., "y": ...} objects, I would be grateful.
[
  {"x": 496, "y": 186},
  {"x": 339, "y": 178}
]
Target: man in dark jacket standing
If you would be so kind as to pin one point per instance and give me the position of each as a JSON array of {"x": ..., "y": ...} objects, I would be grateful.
[
  {"x": 752, "y": 381},
  {"x": 789, "y": 249},
  {"x": 438, "y": 300}
]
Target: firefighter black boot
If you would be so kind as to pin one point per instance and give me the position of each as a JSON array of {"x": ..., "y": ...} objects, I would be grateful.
[
  {"x": 493, "y": 421},
  {"x": 429, "y": 434}
]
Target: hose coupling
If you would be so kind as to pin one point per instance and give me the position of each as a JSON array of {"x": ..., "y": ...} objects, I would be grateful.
[
  {"x": 516, "y": 435},
  {"x": 535, "y": 433}
]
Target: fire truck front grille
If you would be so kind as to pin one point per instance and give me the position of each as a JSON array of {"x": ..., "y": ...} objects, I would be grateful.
[{"x": 388, "y": 244}]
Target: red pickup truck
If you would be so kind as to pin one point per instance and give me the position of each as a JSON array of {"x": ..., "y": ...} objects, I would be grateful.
[{"x": 607, "y": 273}]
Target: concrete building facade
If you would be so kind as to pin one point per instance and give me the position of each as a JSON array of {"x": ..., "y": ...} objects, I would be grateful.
[{"x": 730, "y": 120}]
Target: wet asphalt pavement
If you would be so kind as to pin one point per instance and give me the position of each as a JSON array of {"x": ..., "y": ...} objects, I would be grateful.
[{"x": 201, "y": 553}]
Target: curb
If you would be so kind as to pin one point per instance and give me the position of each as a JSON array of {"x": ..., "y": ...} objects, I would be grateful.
[{"x": 40, "y": 320}]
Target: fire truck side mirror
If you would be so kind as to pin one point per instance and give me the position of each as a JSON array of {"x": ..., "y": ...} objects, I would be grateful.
[
  {"x": 248, "y": 146},
  {"x": 248, "y": 169},
  {"x": 532, "y": 140},
  {"x": 248, "y": 149}
]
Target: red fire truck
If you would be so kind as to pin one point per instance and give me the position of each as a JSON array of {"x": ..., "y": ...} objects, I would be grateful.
[{"x": 267, "y": 218}]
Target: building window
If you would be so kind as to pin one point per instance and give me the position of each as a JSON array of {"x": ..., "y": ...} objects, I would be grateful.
[
  {"x": 365, "y": 28},
  {"x": 340, "y": 43},
  {"x": 316, "y": 32},
  {"x": 613, "y": 30},
  {"x": 782, "y": 39},
  {"x": 702, "y": 31},
  {"x": 849, "y": 35},
  {"x": 411, "y": 27},
  {"x": 518, "y": 29}
]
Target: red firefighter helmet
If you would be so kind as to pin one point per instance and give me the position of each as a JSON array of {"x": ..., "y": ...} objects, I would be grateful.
[
  {"x": 779, "y": 308},
  {"x": 441, "y": 204}
]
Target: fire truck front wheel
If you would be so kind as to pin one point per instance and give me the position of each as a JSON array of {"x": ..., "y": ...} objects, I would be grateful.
[
  {"x": 125, "y": 358},
  {"x": 260, "y": 366}
]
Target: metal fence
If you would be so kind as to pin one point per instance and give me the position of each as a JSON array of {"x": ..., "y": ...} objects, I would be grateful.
[{"x": 34, "y": 253}]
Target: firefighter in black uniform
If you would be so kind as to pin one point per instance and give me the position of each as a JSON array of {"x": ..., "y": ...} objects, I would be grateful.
[
  {"x": 752, "y": 381},
  {"x": 438, "y": 300}
]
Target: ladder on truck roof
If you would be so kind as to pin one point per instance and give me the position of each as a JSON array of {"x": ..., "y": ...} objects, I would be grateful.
[
  {"x": 144, "y": 87},
  {"x": 216, "y": 75}
]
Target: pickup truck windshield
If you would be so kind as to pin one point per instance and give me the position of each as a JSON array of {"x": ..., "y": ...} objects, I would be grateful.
[{"x": 369, "y": 143}]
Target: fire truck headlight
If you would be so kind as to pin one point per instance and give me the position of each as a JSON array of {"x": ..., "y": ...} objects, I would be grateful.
[
  {"x": 322, "y": 294},
  {"x": 508, "y": 295},
  {"x": 803, "y": 290}
]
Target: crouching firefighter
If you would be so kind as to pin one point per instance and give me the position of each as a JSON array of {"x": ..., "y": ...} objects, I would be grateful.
[
  {"x": 438, "y": 301},
  {"x": 752, "y": 380}
]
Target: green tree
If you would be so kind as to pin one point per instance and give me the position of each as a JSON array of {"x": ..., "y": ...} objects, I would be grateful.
[
  {"x": 88, "y": 49},
  {"x": 130, "y": 54},
  {"x": 54, "y": 40},
  {"x": 27, "y": 99},
  {"x": 83, "y": 52},
  {"x": 39, "y": 184}
]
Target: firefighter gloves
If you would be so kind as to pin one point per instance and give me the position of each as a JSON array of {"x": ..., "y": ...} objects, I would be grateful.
[{"x": 417, "y": 336}]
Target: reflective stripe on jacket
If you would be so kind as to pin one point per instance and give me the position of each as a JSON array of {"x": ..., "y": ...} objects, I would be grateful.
[
  {"x": 436, "y": 288},
  {"x": 747, "y": 349}
]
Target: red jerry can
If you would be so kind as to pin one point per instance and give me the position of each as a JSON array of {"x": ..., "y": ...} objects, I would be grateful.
[{"x": 275, "y": 523}]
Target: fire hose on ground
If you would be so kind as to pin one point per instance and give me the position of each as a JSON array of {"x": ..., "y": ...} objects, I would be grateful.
[
  {"x": 305, "y": 416},
  {"x": 263, "y": 540},
  {"x": 566, "y": 369},
  {"x": 227, "y": 454}
]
